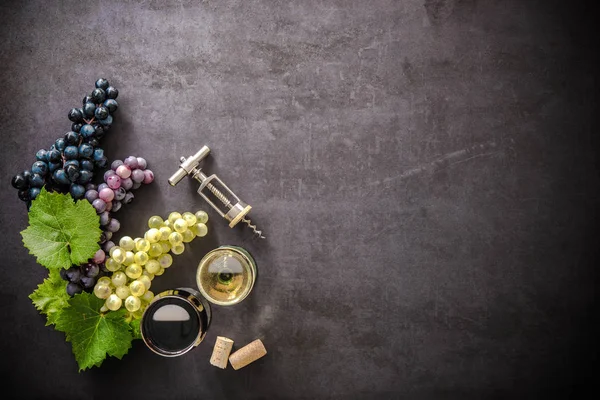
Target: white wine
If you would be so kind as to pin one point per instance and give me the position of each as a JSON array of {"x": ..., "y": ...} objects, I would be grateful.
[{"x": 226, "y": 275}]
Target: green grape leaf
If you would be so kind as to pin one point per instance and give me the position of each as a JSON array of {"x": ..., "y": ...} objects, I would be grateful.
[
  {"x": 135, "y": 328},
  {"x": 51, "y": 297},
  {"x": 94, "y": 335},
  {"x": 61, "y": 232}
]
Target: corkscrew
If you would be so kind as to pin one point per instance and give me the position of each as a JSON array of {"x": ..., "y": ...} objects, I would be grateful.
[{"x": 233, "y": 209}]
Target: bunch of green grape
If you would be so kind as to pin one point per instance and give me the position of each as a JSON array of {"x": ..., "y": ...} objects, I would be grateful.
[{"x": 135, "y": 262}]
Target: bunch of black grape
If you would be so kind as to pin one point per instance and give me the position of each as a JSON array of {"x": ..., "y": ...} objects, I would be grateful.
[
  {"x": 68, "y": 166},
  {"x": 107, "y": 198},
  {"x": 84, "y": 277}
]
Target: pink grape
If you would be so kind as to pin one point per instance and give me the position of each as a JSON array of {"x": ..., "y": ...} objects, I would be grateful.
[
  {"x": 137, "y": 175},
  {"x": 113, "y": 181},
  {"x": 148, "y": 176},
  {"x": 99, "y": 256},
  {"x": 124, "y": 172},
  {"x": 107, "y": 194}
]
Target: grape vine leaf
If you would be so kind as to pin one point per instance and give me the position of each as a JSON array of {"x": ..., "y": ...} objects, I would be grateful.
[
  {"x": 50, "y": 297},
  {"x": 94, "y": 335},
  {"x": 61, "y": 232},
  {"x": 135, "y": 328}
]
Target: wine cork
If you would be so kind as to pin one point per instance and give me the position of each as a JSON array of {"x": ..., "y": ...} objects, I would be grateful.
[
  {"x": 247, "y": 354},
  {"x": 221, "y": 352}
]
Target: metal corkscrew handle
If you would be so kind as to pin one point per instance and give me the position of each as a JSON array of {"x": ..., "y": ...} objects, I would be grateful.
[{"x": 234, "y": 210}]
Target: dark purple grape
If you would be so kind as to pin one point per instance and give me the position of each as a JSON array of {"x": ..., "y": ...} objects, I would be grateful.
[
  {"x": 63, "y": 274},
  {"x": 72, "y": 172},
  {"x": 19, "y": 182},
  {"x": 98, "y": 96},
  {"x": 54, "y": 156},
  {"x": 42, "y": 155},
  {"x": 89, "y": 109},
  {"x": 73, "y": 289},
  {"x": 72, "y": 138},
  {"x": 76, "y": 115},
  {"x": 103, "y": 269},
  {"x": 101, "y": 113},
  {"x": 107, "y": 246},
  {"x": 88, "y": 282},
  {"x": 73, "y": 274},
  {"x": 24, "y": 195},
  {"x": 112, "y": 105},
  {"x": 91, "y": 270},
  {"x": 111, "y": 92},
  {"x": 102, "y": 83}
]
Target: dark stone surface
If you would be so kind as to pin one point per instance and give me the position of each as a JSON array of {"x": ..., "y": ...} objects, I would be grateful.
[{"x": 424, "y": 171}]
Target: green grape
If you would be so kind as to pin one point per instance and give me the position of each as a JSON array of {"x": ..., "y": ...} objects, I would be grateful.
[
  {"x": 119, "y": 278},
  {"x": 103, "y": 308},
  {"x": 137, "y": 288},
  {"x": 160, "y": 272},
  {"x": 102, "y": 291},
  {"x": 141, "y": 257},
  {"x": 152, "y": 266},
  {"x": 113, "y": 302},
  {"x": 105, "y": 280},
  {"x": 174, "y": 216},
  {"x": 155, "y": 250},
  {"x": 180, "y": 225},
  {"x": 189, "y": 218},
  {"x": 146, "y": 281},
  {"x": 128, "y": 258},
  {"x": 148, "y": 296},
  {"x": 201, "y": 217},
  {"x": 142, "y": 245},
  {"x": 118, "y": 255},
  {"x": 123, "y": 292},
  {"x": 164, "y": 232},
  {"x": 166, "y": 246},
  {"x": 148, "y": 274},
  {"x": 200, "y": 229},
  {"x": 175, "y": 238},
  {"x": 133, "y": 271},
  {"x": 126, "y": 243},
  {"x": 165, "y": 261},
  {"x": 112, "y": 250},
  {"x": 132, "y": 303},
  {"x": 188, "y": 236},
  {"x": 152, "y": 235},
  {"x": 112, "y": 265},
  {"x": 168, "y": 224},
  {"x": 178, "y": 249},
  {"x": 155, "y": 222}
]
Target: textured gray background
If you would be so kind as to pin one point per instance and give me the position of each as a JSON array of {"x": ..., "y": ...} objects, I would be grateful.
[{"x": 423, "y": 169}]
